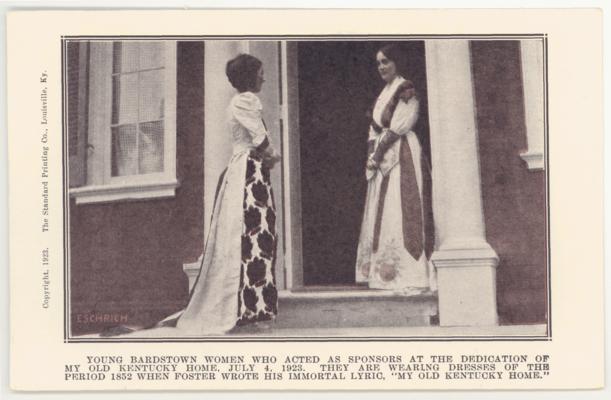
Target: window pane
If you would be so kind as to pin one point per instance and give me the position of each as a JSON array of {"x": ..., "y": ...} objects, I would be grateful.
[
  {"x": 151, "y": 147},
  {"x": 125, "y": 56},
  {"x": 151, "y": 55},
  {"x": 124, "y": 151},
  {"x": 151, "y": 95},
  {"x": 125, "y": 99}
]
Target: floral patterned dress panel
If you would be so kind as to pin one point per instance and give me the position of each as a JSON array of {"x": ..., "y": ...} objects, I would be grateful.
[{"x": 257, "y": 293}]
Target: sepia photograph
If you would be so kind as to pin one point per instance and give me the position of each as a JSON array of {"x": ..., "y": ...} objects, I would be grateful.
[
  {"x": 247, "y": 200},
  {"x": 343, "y": 187}
]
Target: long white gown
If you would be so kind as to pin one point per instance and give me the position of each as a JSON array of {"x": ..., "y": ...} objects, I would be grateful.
[
  {"x": 236, "y": 282},
  {"x": 384, "y": 262}
]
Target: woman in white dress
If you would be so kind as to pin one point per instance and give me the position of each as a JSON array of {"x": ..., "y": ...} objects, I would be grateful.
[
  {"x": 236, "y": 283},
  {"x": 394, "y": 244}
]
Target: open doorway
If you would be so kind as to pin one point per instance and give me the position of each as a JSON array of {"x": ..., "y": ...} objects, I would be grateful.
[{"x": 338, "y": 84}]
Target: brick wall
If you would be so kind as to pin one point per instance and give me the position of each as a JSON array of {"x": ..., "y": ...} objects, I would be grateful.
[
  {"x": 127, "y": 257},
  {"x": 513, "y": 196}
]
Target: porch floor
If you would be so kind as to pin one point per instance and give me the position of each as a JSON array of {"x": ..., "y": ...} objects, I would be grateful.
[{"x": 398, "y": 333}]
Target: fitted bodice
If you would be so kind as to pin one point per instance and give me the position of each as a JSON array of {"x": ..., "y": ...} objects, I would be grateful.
[
  {"x": 403, "y": 119},
  {"x": 245, "y": 122}
]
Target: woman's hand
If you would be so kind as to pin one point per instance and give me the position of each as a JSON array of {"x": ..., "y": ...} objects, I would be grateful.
[
  {"x": 269, "y": 160},
  {"x": 371, "y": 164}
]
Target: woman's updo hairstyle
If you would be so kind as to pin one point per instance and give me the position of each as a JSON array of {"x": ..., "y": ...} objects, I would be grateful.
[
  {"x": 242, "y": 72},
  {"x": 397, "y": 55}
]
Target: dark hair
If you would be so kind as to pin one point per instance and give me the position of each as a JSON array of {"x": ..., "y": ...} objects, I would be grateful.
[
  {"x": 242, "y": 72},
  {"x": 395, "y": 54}
]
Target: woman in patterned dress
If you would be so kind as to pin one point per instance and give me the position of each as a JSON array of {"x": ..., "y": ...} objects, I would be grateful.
[
  {"x": 393, "y": 250},
  {"x": 236, "y": 283}
]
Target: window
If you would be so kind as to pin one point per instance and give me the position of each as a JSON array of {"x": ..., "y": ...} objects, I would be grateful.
[{"x": 131, "y": 135}]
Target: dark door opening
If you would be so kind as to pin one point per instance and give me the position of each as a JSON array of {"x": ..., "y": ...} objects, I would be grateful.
[{"x": 338, "y": 84}]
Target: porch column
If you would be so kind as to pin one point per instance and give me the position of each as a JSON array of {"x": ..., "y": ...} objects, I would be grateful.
[
  {"x": 217, "y": 143},
  {"x": 532, "y": 79},
  {"x": 217, "y": 95},
  {"x": 465, "y": 262}
]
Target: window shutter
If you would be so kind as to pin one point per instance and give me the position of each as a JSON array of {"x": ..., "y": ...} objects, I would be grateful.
[{"x": 77, "y": 55}]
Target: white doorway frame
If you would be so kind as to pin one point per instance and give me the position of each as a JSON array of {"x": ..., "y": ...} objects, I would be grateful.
[{"x": 291, "y": 165}]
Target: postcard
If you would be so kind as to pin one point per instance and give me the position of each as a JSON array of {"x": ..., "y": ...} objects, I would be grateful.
[{"x": 306, "y": 199}]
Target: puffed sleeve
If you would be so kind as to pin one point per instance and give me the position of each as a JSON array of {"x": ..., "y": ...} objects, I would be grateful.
[
  {"x": 247, "y": 110},
  {"x": 405, "y": 116}
]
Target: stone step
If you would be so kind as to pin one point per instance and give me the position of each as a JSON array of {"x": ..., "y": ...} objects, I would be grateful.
[
  {"x": 354, "y": 307},
  {"x": 345, "y": 306}
]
